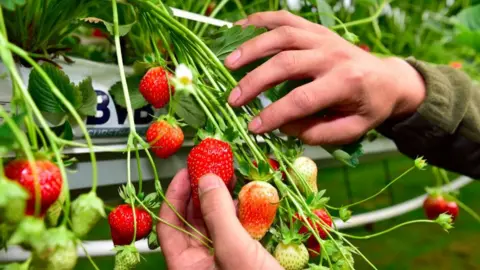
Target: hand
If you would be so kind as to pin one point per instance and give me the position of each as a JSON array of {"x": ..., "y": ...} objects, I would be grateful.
[
  {"x": 356, "y": 90},
  {"x": 233, "y": 246}
]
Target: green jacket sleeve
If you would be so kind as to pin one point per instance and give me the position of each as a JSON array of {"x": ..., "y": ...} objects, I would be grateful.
[{"x": 445, "y": 130}]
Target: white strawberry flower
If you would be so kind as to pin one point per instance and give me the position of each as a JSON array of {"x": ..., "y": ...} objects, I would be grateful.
[{"x": 183, "y": 75}]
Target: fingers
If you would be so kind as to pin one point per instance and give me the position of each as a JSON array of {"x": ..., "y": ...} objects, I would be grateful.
[
  {"x": 287, "y": 65},
  {"x": 172, "y": 241},
  {"x": 325, "y": 131},
  {"x": 270, "y": 43},
  {"x": 220, "y": 216},
  {"x": 274, "y": 19},
  {"x": 303, "y": 101}
]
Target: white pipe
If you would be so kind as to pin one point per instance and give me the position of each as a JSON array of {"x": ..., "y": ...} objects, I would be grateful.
[
  {"x": 105, "y": 247},
  {"x": 398, "y": 209},
  {"x": 199, "y": 18}
]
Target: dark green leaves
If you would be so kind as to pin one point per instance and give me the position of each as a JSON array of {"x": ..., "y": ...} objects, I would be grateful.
[
  {"x": 7, "y": 139},
  {"x": 185, "y": 106},
  {"x": 82, "y": 97},
  {"x": 10, "y": 4},
  {"x": 226, "y": 40},
  {"x": 136, "y": 98}
]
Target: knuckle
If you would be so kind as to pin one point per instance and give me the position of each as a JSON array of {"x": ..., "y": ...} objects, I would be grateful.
[
  {"x": 284, "y": 13},
  {"x": 301, "y": 98},
  {"x": 247, "y": 82},
  {"x": 341, "y": 55},
  {"x": 287, "y": 32},
  {"x": 287, "y": 61},
  {"x": 352, "y": 74}
]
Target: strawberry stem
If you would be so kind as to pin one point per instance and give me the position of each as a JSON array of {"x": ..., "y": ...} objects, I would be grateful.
[
  {"x": 88, "y": 256},
  {"x": 467, "y": 209},
  {"x": 387, "y": 230},
  {"x": 139, "y": 169},
  {"x": 381, "y": 190}
]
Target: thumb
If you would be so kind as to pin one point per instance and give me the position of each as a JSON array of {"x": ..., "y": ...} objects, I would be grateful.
[{"x": 218, "y": 210}]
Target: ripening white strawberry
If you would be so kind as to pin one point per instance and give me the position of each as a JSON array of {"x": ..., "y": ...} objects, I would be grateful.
[
  {"x": 291, "y": 256},
  {"x": 307, "y": 169}
]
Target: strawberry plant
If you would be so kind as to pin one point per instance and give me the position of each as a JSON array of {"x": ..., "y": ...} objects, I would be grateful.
[{"x": 178, "y": 66}]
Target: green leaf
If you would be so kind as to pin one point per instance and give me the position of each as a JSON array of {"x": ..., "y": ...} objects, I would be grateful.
[
  {"x": 188, "y": 109},
  {"x": 470, "y": 17},
  {"x": 67, "y": 131},
  {"x": 7, "y": 138},
  {"x": 10, "y": 4},
  {"x": 88, "y": 105},
  {"x": 226, "y": 40},
  {"x": 345, "y": 214},
  {"x": 347, "y": 154},
  {"x": 126, "y": 15},
  {"x": 43, "y": 96},
  {"x": 325, "y": 13},
  {"x": 136, "y": 98}
]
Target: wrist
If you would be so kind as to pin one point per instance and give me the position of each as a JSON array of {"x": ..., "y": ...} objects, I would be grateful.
[{"x": 409, "y": 86}]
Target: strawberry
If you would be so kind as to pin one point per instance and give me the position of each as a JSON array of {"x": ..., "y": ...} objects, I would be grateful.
[
  {"x": 126, "y": 258},
  {"x": 155, "y": 87},
  {"x": 325, "y": 220},
  {"x": 364, "y": 47},
  {"x": 49, "y": 179},
  {"x": 434, "y": 205},
  {"x": 87, "y": 210},
  {"x": 165, "y": 137},
  {"x": 209, "y": 156},
  {"x": 99, "y": 33},
  {"x": 210, "y": 8},
  {"x": 58, "y": 250},
  {"x": 307, "y": 170},
  {"x": 13, "y": 199},
  {"x": 257, "y": 206},
  {"x": 456, "y": 65},
  {"x": 121, "y": 222},
  {"x": 291, "y": 256}
]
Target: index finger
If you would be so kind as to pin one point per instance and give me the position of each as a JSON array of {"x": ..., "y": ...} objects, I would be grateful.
[
  {"x": 172, "y": 241},
  {"x": 274, "y": 19}
]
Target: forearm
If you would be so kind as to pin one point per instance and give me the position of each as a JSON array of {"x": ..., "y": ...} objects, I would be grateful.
[{"x": 446, "y": 127}]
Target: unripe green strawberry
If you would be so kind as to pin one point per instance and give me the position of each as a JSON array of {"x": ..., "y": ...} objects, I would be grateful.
[
  {"x": 17, "y": 266},
  {"x": 58, "y": 251},
  {"x": 127, "y": 258},
  {"x": 61, "y": 258},
  {"x": 292, "y": 256},
  {"x": 307, "y": 169},
  {"x": 13, "y": 200},
  {"x": 55, "y": 210},
  {"x": 87, "y": 210},
  {"x": 29, "y": 233}
]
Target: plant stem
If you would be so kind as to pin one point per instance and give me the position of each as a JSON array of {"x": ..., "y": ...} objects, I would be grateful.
[
  {"x": 364, "y": 20},
  {"x": 22, "y": 140},
  {"x": 387, "y": 230},
  {"x": 467, "y": 209},
  {"x": 381, "y": 190},
  {"x": 139, "y": 169}
]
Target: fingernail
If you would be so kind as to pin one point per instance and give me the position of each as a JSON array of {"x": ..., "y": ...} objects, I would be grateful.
[
  {"x": 207, "y": 183},
  {"x": 233, "y": 57},
  {"x": 241, "y": 22},
  {"x": 255, "y": 125},
  {"x": 234, "y": 95}
]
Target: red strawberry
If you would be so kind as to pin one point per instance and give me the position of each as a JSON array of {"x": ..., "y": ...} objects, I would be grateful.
[
  {"x": 364, "y": 47},
  {"x": 99, "y": 33},
  {"x": 121, "y": 224},
  {"x": 312, "y": 243},
  {"x": 209, "y": 156},
  {"x": 165, "y": 138},
  {"x": 456, "y": 65},
  {"x": 49, "y": 179},
  {"x": 436, "y": 205},
  {"x": 210, "y": 8},
  {"x": 154, "y": 87},
  {"x": 257, "y": 206}
]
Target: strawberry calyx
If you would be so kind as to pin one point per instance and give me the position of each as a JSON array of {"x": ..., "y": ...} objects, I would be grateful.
[
  {"x": 129, "y": 196},
  {"x": 289, "y": 235}
]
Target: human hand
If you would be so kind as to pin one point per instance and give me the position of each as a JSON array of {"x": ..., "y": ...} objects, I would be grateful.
[
  {"x": 357, "y": 90},
  {"x": 233, "y": 246}
]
